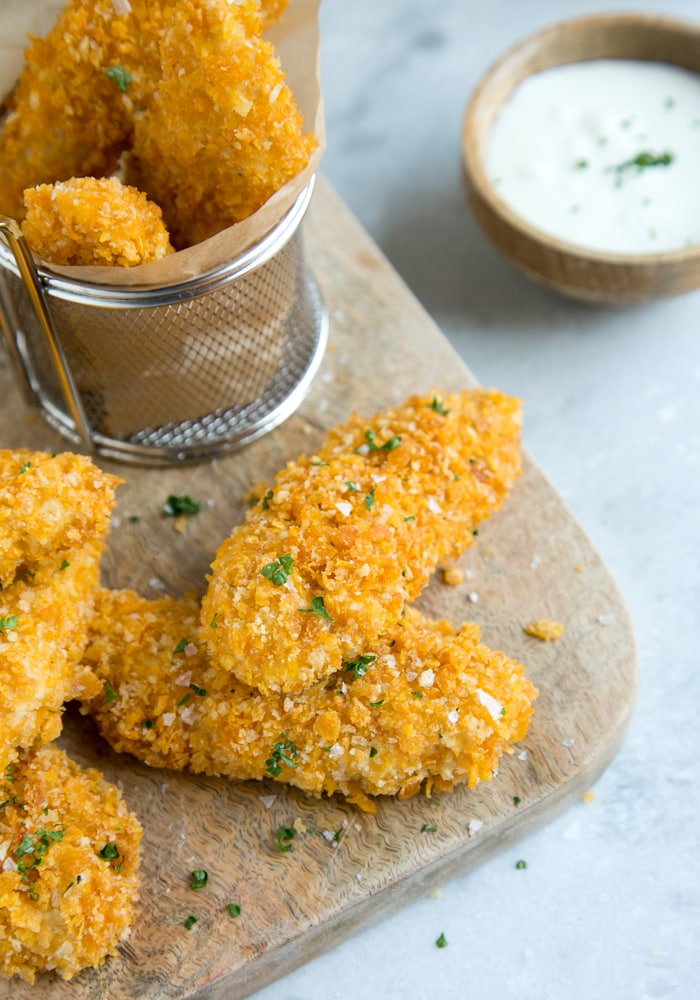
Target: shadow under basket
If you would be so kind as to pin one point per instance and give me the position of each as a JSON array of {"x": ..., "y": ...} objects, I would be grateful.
[{"x": 158, "y": 375}]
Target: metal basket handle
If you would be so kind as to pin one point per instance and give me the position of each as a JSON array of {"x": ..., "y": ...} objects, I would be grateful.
[{"x": 32, "y": 283}]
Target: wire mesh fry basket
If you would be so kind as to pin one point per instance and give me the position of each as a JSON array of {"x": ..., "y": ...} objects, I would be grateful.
[{"x": 157, "y": 375}]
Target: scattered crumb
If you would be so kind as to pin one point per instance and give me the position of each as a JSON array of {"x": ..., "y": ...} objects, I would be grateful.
[
  {"x": 299, "y": 825},
  {"x": 436, "y": 893},
  {"x": 452, "y": 575},
  {"x": 578, "y": 568},
  {"x": 474, "y": 826},
  {"x": 536, "y": 562},
  {"x": 588, "y": 797},
  {"x": 546, "y": 629},
  {"x": 473, "y": 597},
  {"x": 180, "y": 524}
]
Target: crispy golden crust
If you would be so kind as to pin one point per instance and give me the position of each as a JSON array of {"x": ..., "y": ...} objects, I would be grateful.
[
  {"x": 43, "y": 630},
  {"x": 68, "y": 911},
  {"x": 48, "y": 505},
  {"x": 87, "y": 220},
  {"x": 223, "y": 132},
  {"x": 69, "y": 117},
  {"x": 364, "y": 528},
  {"x": 429, "y": 706}
]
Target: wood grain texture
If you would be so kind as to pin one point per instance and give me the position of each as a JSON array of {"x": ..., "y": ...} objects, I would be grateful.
[
  {"x": 589, "y": 275},
  {"x": 532, "y": 561}
]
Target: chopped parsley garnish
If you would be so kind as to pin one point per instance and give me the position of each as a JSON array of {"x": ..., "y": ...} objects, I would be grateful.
[
  {"x": 438, "y": 407},
  {"x": 199, "y": 879},
  {"x": 389, "y": 445},
  {"x": 643, "y": 160},
  {"x": 8, "y": 623},
  {"x": 147, "y": 723},
  {"x": 213, "y": 623},
  {"x": 278, "y": 570},
  {"x": 441, "y": 941},
  {"x": 110, "y": 852},
  {"x": 24, "y": 467},
  {"x": 369, "y": 499},
  {"x": 516, "y": 800},
  {"x": 581, "y": 164},
  {"x": 373, "y": 751},
  {"x": 175, "y": 506},
  {"x": 31, "y": 850},
  {"x": 351, "y": 487},
  {"x": 183, "y": 701},
  {"x": 181, "y": 646},
  {"x": 285, "y": 836},
  {"x": 8, "y": 802},
  {"x": 190, "y": 922},
  {"x": 521, "y": 864},
  {"x": 359, "y": 666},
  {"x": 234, "y": 909},
  {"x": 428, "y": 828},
  {"x": 410, "y": 517},
  {"x": 266, "y": 500},
  {"x": 64, "y": 565},
  {"x": 376, "y": 704},
  {"x": 120, "y": 77},
  {"x": 282, "y": 753},
  {"x": 110, "y": 694},
  {"x": 200, "y": 692},
  {"x": 417, "y": 694},
  {"x": 317, "y": 608}
]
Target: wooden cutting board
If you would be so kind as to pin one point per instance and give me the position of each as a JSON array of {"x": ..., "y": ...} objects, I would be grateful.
[{"x": 532, "y": 561}]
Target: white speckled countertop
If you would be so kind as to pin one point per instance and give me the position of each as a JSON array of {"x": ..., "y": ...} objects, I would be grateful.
[{"x": 609, "y": 905}]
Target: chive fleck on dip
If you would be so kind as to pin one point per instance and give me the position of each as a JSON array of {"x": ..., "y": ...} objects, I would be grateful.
[{"x": 603, "y": 154}]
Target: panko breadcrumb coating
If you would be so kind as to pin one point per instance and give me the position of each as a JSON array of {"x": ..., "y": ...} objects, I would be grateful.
[
  {"x": 48, "y": 505},
  {"x": 429, "y": 706},
  {"x": 271, "y": 11},
  {"x": 43, "y": 630},
  {"x": 87, "y": 220},
  {"x": 222, "y": 133},
  {"x": 68, "y": 866},
  {"x": 325, "y": 563},
  {"x": 72, "y": 109}
]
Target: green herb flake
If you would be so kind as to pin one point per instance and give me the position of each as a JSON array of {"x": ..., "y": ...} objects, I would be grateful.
[
  {"x": 64, "y": 565},
  {"x": 359, "y": 666},
  {"x": 351, "y": 487},
  {"x": 282, "y": 753},
  {"x": 373, "y": 751},
  {"x": 317, "y": 608},
  {"x": 266, "y": 500},
  {"x": 183, "y": 701},
  {"x": 376, "y": 704},
  {"x": 428, "y": 828},
  {"x": 175, "y": 506},
  {"x": 181, "y": 646},
  {"x": 110, "y": 852},
  {"x": 213, "y": 623},
  {"x": 110, "y": 694},
  {"x": 389, "y": 445},
  {"x": 199, "y": 878},
  {"x": 7, "y": 624},
  {"x": 190, "y": 922},
  {"x": 410, "y": 517},
  {"x": 233, "y": 910},
  {"x": 134, "y": 518},
  {"x": 285, "y": 836},
  {"x": 417, "y": 694},
  {"x": 278, "y": 570},
  {"x": 441, "y": 941},
  {"x": 437, "y": 406},
  {"x": 369, "y": 499},
  {"x": 200, "y": 692},
  {"x": 516, "y": 800},
  {"x": 120, "y": 77},
  {"x": 644, "y": 160},
  {"x": 581, "y": 164},
  {"x": 147, "y": 723},
  {"x": 521, "y": 864}
]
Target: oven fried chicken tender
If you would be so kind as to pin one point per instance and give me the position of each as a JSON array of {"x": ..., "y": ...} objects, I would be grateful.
[
  {"x": 88, "y": 220},
  {"x": 68, "y": 866},
  {"x": 429, "y": 706},
  {"x": 54, "y": 515},
  {"x": 71, "y": 113},
  {"x": 222, "y": 133},
  {"x": 325, "y": 563}
]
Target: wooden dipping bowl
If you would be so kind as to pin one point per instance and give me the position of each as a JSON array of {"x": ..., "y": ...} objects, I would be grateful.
[{"x": 591, "y": 275}]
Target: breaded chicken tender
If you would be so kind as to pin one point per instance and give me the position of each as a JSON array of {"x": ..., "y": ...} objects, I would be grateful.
[
  {"x": 72, "y": 109},
  {"x": 222, "y": 133},
  {"x": 429, "y": 706},
  {"x": 69, "y": 852},
  {"x": 43, "y": 630},
  {"x": 87, "y": 220},
  {"x": 49, "y": 504},
  {"x": 325, "y": 563},
  {"x": 54, "y": 516}
]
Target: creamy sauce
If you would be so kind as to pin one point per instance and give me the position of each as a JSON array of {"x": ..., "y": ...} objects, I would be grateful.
[{"x": 604, "y": 155}]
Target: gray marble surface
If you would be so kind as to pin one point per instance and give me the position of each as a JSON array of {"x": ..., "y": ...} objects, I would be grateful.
[{"x": 609, "y": 905}]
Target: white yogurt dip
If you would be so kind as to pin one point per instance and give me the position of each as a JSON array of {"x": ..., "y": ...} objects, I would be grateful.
[{"x": 604, "y": 155}]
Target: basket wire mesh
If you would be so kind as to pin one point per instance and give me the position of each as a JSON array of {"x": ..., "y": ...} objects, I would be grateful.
[{"x": 165, "y": 374}]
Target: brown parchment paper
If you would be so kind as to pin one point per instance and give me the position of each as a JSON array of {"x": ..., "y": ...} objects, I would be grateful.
[{"x": 297, "y": 43}]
